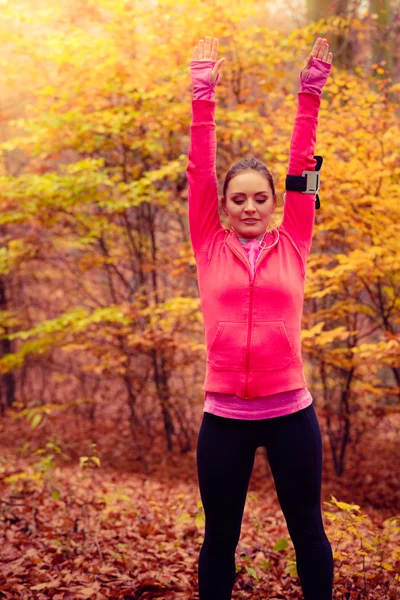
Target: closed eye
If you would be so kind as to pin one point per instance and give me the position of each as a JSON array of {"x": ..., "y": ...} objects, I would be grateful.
[{"x": 258, "y": 200}]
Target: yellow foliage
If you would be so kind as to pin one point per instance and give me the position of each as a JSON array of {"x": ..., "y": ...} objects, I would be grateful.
[{"x": 109, "y": 95}]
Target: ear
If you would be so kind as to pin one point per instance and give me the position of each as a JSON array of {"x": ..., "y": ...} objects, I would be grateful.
[{"x": 223, "y": 205}]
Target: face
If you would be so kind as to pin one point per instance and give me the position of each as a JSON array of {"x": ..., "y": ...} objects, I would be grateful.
[{"x": 249, "y": 203}]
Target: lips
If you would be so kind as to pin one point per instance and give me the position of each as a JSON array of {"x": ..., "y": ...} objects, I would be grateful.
[{"x": 250, "y": 220}]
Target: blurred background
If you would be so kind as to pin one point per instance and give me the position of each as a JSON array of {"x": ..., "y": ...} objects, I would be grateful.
[{"x": 102, "y": 352}]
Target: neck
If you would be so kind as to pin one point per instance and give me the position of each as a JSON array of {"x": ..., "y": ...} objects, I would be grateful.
[{"x": 247, "y": 239}]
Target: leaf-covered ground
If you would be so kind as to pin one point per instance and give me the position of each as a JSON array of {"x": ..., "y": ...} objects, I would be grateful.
[{"x": 90, "y": 529}]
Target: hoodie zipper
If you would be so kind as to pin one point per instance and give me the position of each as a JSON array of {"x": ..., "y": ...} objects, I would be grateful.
[
  {"x": 250, "y": 320},
  {"x": 249, "y": 334}
]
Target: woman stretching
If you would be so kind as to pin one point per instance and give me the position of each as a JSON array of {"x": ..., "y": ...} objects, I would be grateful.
[{"x": 251, "y": 281}]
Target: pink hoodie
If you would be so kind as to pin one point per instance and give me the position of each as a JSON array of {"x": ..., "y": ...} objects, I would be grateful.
[{"x": 252, "y": 322}]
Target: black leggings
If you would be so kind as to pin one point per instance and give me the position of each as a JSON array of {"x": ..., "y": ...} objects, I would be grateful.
[{"x": 225, "y": 457}]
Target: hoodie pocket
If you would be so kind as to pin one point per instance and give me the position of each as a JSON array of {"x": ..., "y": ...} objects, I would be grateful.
[
  {"x": 228, "y": 348},
  {"x": 270, "y": 346}
]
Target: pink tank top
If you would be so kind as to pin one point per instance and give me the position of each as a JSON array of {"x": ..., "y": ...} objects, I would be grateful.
[{"x": 264, "y": 407}]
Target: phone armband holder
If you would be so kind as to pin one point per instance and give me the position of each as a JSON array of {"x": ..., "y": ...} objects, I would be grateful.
[{"x": 308, "y": 182}]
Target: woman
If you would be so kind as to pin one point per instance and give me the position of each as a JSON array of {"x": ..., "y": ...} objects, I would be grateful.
[{"x": 251, "y": 281}]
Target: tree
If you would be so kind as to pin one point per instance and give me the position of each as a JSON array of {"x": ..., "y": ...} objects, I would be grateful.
[
  {"x": 7, "y": 390},
  {"x": 97, "y": 217}
]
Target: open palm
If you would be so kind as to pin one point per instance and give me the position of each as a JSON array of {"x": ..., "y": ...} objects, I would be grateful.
[
  {"x": 205, "y": 51},
  {"x": 320, "y": 51}
]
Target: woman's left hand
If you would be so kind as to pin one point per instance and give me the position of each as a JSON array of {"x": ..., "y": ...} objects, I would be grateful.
[{"x": 320, "y": 51}]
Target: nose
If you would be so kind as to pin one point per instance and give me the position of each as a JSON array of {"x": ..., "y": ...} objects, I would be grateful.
[{"x": 249, "y": 208}]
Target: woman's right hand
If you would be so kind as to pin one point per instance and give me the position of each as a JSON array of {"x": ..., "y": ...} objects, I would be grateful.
[{"x": 204, "y": 51}]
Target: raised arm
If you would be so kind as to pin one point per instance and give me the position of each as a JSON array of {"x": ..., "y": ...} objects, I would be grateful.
[
  {"x": 201, "y": 175},
  {"x": 299, "y": 211}
]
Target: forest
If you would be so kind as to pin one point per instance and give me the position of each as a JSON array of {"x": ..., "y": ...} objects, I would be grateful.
[{"x": 102, "y": 350}]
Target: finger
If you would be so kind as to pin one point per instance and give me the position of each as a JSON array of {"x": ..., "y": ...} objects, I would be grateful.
[
  {"x": 218, "y": 66},
  {"x": 214, "y": 49},
  {"x": 316, "y": 46},
  {"x": 323, "y": 50},
  {"x": 306, "y": 64},
  {"x": 207, "y": 47},
  {"x": 330, "y": 56},
  {"x": 195, "y": 55},
  {"x": 308, "y": 61},
  {"x": 216, "y": 69},
  {"x": 201, "y": 49},
  {"x": 318, "y": 49},
  {"x": 326, "y": 53}
]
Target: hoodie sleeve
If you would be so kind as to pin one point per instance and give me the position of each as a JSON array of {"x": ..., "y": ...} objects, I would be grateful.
[
  {"x": 204, "y": 219},
  {"x": 299, "y": 209}
]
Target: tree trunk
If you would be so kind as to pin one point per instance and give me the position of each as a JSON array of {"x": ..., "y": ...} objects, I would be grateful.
[
  {"x": 160, "y": 363},
  {"x": 340, "y": 44},
  {"x": 382, "y": 43},
  {"x": 317, "y": 9},
  {"x": 7, "y": 379}
]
